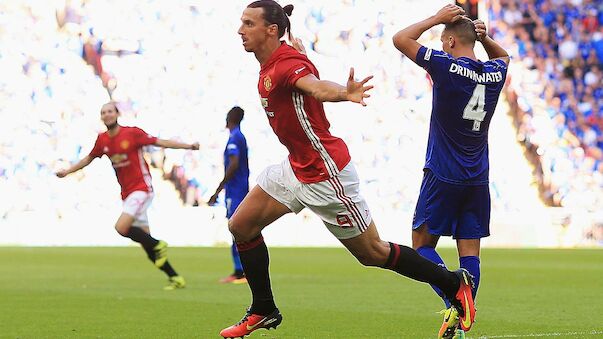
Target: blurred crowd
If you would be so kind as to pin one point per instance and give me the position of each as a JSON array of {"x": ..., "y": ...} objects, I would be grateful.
[
  {"x": 48, "y": 103},
  {"x": 175, "y": 70},
  {"x": 556, "y": 93},
  {"x": 166, "y": 66}
]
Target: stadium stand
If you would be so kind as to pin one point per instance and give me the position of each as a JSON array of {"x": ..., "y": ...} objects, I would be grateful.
[
  {"x": 165, "y": 70},
  {"x": 50, "y": 100},
  {"x": 555, "y": 95}
]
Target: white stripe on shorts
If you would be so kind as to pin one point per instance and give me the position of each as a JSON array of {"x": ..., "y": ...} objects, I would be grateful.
[
  {"x": 362, "y": 222},
  {"x": 348, "y": 203}
]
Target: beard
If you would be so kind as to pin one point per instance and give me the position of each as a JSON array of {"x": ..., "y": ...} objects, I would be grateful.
[{"x": 111, "y": 126}]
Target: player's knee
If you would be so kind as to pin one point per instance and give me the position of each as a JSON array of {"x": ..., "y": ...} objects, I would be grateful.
[
  {"x": 421, "y": 237},
  {"x": 239, "y": 230},
  {"x": 232, "y": 227},
  {"x": 123, "y": 231}
]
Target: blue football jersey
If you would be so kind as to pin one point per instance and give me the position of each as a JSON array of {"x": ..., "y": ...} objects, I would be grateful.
[
  {"x": 465, "y": 93},
  {"x": 238, "y": 186}
]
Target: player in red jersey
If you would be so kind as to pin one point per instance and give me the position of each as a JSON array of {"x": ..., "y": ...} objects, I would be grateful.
[
  {"x": 318, "y": 173},
  {"x": 123, "y": 145}
]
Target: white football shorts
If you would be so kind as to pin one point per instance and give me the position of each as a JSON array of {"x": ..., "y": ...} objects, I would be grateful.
[
  {"x": 136, "y": 205},
  {"x": 337, "y": 201}
]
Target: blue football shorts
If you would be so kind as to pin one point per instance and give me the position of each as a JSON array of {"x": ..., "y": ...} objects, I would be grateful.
[{"x": 460, "y": 211}]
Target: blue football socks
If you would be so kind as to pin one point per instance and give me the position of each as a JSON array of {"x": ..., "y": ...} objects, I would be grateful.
[
  {"x": 471, "y": 264},
  {"x": 235, "y": 258},
  {"x": 430, "y": 253}
]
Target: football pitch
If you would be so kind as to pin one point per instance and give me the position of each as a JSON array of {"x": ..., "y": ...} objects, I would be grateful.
[{"x": 321, "y": 292}]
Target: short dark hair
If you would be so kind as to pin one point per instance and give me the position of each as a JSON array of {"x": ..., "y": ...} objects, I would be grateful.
[
  {"x": 114, "y": 106},
  {"x": 275, "y": 14},
  {"x": 236, "y": 114},
  {"x": 464, "y": 29}
]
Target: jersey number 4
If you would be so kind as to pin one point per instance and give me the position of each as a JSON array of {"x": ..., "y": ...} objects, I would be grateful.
[{"x": 475, "y": 108}]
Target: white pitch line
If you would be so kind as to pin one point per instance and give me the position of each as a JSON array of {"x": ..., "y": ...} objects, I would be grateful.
[{"x": 553, "y": 334}]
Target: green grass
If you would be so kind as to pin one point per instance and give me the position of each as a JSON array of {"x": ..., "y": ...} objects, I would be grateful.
[{"x": 322, "y": 293}]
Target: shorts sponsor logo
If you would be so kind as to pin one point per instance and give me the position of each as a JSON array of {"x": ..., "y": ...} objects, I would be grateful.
[{"x": 344, "y": 221}]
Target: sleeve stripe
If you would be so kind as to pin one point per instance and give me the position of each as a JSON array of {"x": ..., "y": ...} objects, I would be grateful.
[{"x": 444, "y": 55}]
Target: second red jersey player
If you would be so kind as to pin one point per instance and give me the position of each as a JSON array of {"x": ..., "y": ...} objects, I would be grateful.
[
  {"x": 125, "y": 152},
  {"x": 123, "y": 145}
]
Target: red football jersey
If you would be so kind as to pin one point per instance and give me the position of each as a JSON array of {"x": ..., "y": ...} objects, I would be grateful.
[
  {"x": 299, "y": 120},
  {"x": 125, "y": 152}
]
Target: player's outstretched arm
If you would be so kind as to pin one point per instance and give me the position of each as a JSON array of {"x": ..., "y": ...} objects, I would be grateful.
[
  {"x": 406, "y": 39},
  {"x": 78, "y": 166},
  {"x": 175, "y": 144},
  {"x": 324, "y": 90},
  {"x": 494, "y": 50}
]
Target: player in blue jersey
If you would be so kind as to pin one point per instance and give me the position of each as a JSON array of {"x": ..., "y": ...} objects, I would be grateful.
[
  {"x": 235, "y": 182},
  {"x": 455, "y": 199}
]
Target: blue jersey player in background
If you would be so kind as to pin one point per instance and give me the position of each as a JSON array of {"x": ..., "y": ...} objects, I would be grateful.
[
  {"x": 455, "y": 199},
  {"x": 235, "y": 182}
]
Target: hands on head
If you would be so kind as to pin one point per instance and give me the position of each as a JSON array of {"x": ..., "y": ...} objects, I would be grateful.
[
  {"x": 480, "y": 29},
  {"x": 449, "y": 14}
]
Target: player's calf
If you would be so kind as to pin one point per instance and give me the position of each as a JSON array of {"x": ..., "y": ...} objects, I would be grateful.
[
  {"x": 368, "y": 248},
  {"x": 160, "y": 252},
  {"x": 371, "y": 258}
]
